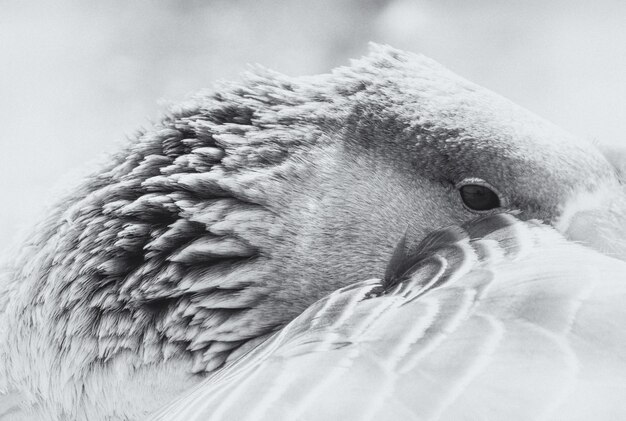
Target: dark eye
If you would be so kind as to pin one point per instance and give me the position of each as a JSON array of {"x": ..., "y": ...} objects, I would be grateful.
[{"x": 479, "y": 198}]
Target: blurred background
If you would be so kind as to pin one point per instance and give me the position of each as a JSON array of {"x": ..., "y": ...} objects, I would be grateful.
[{"x": 76, "y": 77}]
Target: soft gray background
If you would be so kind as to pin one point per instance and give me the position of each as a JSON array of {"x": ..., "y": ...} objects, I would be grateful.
[{"x": 75, "y": 76}]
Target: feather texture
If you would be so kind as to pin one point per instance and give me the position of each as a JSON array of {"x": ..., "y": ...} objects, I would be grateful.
[
  {"x": 215, "y": 228},
  {"x": 498, "y": 320}
]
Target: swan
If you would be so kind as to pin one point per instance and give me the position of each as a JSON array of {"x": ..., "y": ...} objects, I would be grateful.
[{"x": 207, "y": 234}]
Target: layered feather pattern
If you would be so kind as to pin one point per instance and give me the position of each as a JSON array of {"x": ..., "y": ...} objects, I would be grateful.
[
  {"x": 212, "y": 230},
  {"x": 498, "y": 320}
]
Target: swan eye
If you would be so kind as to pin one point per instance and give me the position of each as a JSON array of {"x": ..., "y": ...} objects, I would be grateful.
[{"x": 478, "y": 197}]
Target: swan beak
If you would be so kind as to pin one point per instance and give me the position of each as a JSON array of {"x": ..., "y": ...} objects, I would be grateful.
[{"x": 602, "y": 228}]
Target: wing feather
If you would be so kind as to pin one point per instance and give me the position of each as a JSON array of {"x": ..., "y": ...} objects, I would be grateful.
[{"x": 508, "y": 321}]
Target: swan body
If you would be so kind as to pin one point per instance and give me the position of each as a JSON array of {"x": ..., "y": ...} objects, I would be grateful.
[{"x": 500, "y": 319}]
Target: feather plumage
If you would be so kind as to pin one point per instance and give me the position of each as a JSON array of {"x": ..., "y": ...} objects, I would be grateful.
[
  {"x": 226, "y": 220},
  {"x": 506, "y": 334}
]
